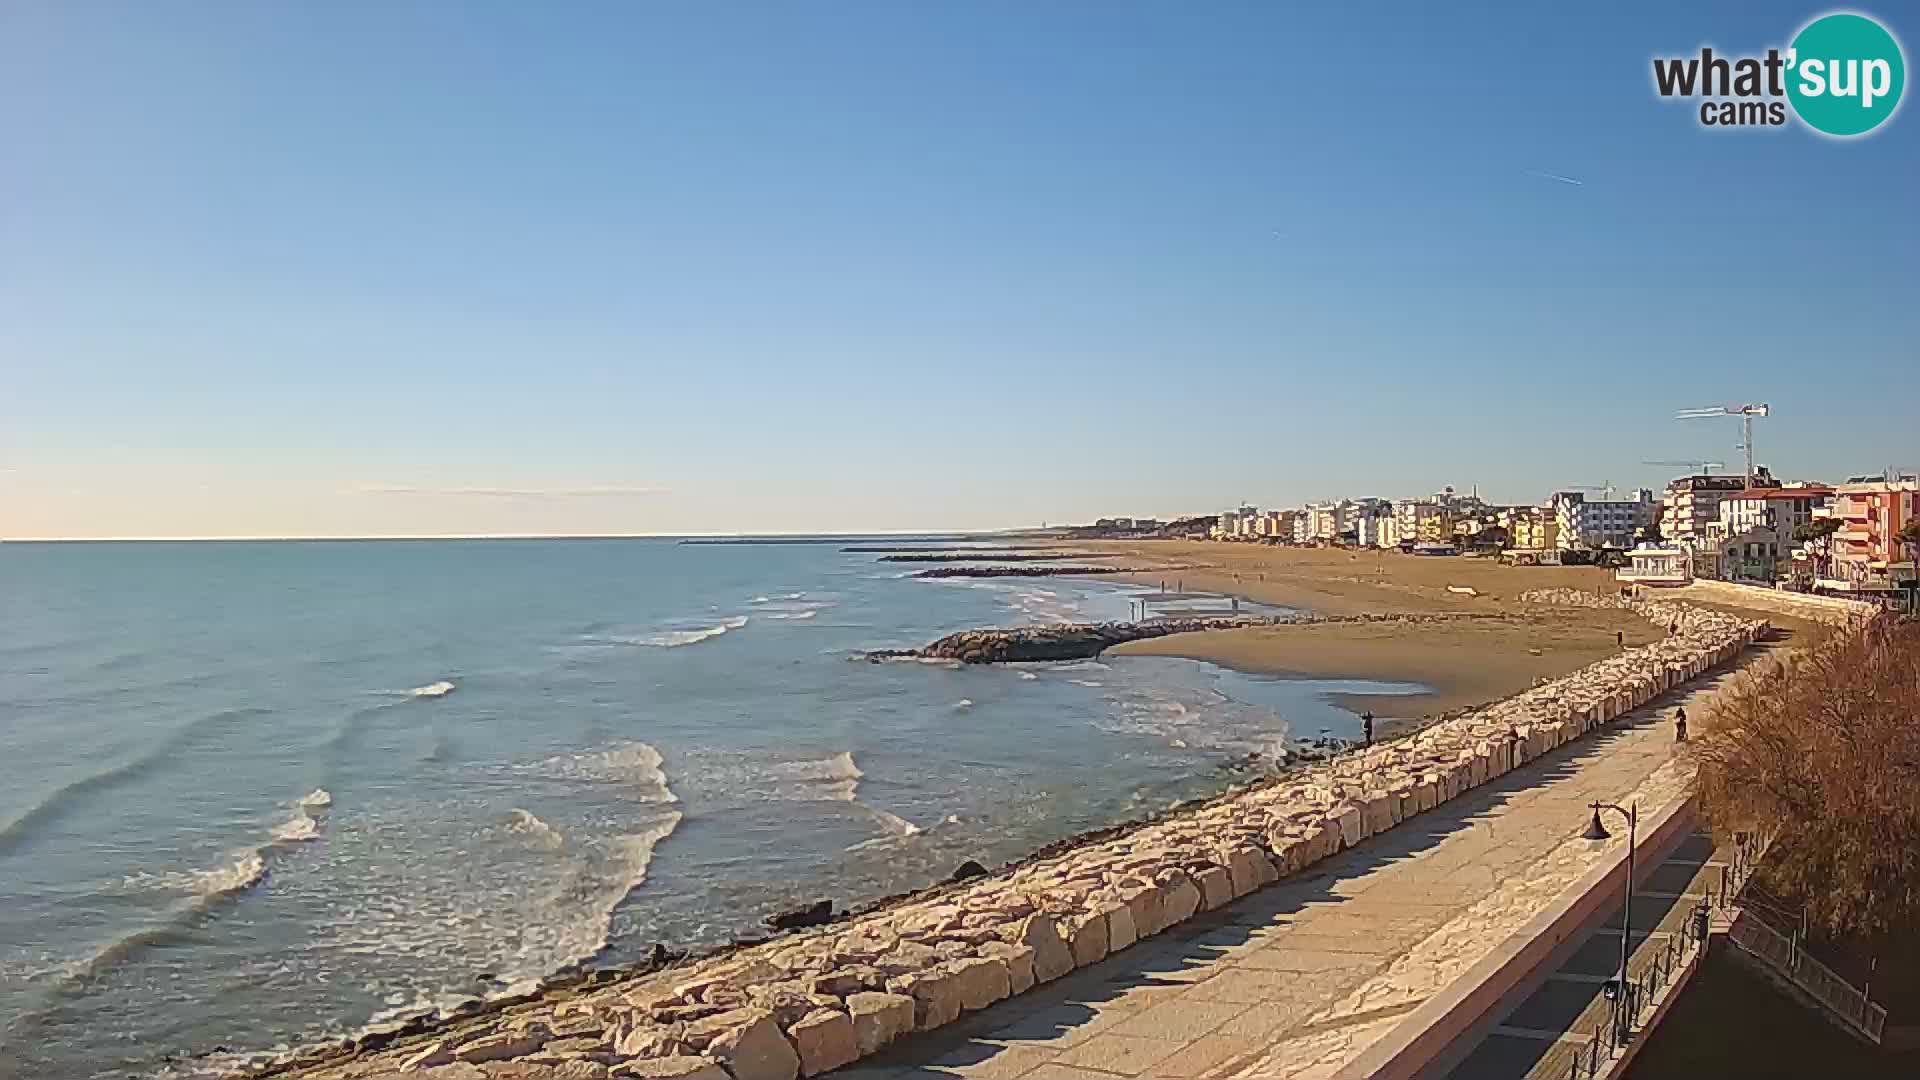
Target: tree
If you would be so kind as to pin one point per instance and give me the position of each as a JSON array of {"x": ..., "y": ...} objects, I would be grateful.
[
  {"x": 1650, "y": 533},
  {"x": 1824, "y": 754},
  {"x": 1909, "y": 537},
  {"x": 1817, "y": 537}
]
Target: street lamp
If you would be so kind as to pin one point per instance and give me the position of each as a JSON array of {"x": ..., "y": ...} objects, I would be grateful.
[{"x": 1598, "y": 831}]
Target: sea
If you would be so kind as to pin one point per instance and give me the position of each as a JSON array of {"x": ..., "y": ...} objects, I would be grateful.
[{"x": 261, "y": 793}]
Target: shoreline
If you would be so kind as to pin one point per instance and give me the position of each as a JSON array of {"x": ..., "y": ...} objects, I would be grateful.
[{"x": 1061, "y": 906}]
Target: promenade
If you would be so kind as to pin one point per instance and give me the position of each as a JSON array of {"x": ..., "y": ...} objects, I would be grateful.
[{"x": 1296, "y": 980}]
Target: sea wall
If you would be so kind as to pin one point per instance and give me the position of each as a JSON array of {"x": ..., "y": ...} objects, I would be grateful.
[
  {"x": 1827, "y": 609},
  {"x": 823, "y": 998}
]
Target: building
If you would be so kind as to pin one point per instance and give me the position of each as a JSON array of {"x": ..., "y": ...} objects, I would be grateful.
[
  {"x": 1690, "y": 503},
  {"x": 1589, "y": 524},
  {"x": 1754, "y": 531},
  {"x": 1657, "y": 564},
  {"x": 1867, "y": 555},
  {"x": 1276, "y": 524},
  {"x": 1534, "y": 528},
  {"x": 1422, "y": 520}
]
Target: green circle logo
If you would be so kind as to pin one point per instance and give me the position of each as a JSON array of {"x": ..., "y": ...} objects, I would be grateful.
[{"x": 1845, "y": 74}]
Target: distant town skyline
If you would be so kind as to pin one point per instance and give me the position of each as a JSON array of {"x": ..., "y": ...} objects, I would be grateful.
[{"x": 487, "y": 269}]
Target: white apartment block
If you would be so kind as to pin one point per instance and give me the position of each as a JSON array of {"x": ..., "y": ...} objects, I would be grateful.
[{"x": 1585, "y": 523}]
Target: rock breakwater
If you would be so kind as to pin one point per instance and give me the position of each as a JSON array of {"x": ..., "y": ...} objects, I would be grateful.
[
  {"x": 826, "y": 997},
  {"x": 1025, "y": 571},
  {"x": 1060, "y": 641}
]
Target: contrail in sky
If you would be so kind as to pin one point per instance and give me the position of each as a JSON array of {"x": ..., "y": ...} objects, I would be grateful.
[{"x": 1556, "y": 176}]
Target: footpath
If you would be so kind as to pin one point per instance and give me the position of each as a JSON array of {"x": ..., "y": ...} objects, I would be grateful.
[{"x": 1298, "y": 979}]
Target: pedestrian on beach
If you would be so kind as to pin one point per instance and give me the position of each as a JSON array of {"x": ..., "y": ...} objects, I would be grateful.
[
  {"x": 1673, "y": 628},
  {"x": 1680, "y": 724},
  {"x": 1620, "y": 639},
  {"x": 1366, "y": 727}
]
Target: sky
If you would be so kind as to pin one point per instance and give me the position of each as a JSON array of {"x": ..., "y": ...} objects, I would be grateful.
[{"x": 359, "y": 268}]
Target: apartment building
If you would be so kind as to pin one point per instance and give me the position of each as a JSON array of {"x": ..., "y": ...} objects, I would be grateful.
[
  {"x": 1867, "y": 555},
  {"x": 1584, "y": 523},
  {"x": 1691, "y": 503}
]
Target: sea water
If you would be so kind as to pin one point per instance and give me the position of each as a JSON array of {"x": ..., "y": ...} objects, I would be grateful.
[{"x": 261, "y": 793}]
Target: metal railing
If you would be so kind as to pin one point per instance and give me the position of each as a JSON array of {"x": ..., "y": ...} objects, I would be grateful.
[
  {"x": 1611, "y": 1021},
  {"x": 1784, "y": 954}
]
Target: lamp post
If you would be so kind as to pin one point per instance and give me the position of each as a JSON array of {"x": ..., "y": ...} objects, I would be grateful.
[{"x": 1598, "y": 831}]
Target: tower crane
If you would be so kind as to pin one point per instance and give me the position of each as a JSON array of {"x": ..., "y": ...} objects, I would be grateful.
[
  {"x": 1746, "y": 413},
  {"x": 1705, "y": 467}
]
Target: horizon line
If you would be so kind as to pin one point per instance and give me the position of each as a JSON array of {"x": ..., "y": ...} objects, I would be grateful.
[{"x": 346, "y": 537}]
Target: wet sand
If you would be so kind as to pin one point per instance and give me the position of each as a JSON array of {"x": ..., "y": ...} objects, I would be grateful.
[{"x": 1466, "y": 663}]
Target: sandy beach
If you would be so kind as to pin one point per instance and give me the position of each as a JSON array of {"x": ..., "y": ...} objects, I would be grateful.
[{"x": 1465, "y": 663}]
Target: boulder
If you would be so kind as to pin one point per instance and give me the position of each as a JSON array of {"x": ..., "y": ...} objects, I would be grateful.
[
  {"x": 672, "y": 1068},
  {"x": 878, "y": 1019},
  {"x": 1019, "y": 962},
  {"x": 753, "y": 1048},
  {"x": 936, "y": 997},
  {"x": 1087, "y": 940},
  {"x": 981, "y": 981},
  {"x": 818, "y": 913},
  {"x": 1216, "y": 887},
  {"x": 1051, "y": 957},
  {"x": 824, "y": 1040},
  {"x": 1182, "y": 899},
  {"x": 501, "y": 1045}
]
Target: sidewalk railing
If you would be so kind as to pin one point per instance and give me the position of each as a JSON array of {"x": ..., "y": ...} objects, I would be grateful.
[
  {"x": 1784, "y": 955},
  {"x": 1611, "y": 1021}
]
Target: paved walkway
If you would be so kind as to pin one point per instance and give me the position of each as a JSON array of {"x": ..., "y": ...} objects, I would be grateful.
[
  {"x": 1551, "y": 1035},
  {"x": 1298, "y": 978}
]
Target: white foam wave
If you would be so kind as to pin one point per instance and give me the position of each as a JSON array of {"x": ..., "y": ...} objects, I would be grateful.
[
  {"x": 794, "y": 616},
  {"x": 296, "y": 829},
  {"x": 636, "y": 764},
  {"x": 538, "y": 833},
  {"x": 246, "y": 870},
  {"x": 894, "y": 823},
  {"x": 435, "y": 689},
  {"x": 964, "y": 703},
  {"x": 673, "y": 639},
  {"x": 835, "y": 779},
  {"x": 1028, "y": 675},
  {"x": 317, "y": 798}
]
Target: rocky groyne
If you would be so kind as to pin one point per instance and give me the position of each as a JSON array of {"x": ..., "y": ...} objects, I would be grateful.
[
  {"x": 826, "y": 997},
  {"x": 1079, "y": 641},
  {"x": 1060, "y": 641},
  {"x": 988, "y": 556},
  {"x": 1023, "y": 571}
]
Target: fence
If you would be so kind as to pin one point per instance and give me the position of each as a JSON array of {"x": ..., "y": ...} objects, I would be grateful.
[
  {"x": 1783, "y": 954},
  {"x": 1609, "y": 1023}
]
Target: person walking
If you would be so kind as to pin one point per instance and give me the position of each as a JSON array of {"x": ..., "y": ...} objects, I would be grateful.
[
  {"x": 1366, "y": 727},
  {"x": 1680, "y": 724},
  {"x": 1619, "y": 639}
]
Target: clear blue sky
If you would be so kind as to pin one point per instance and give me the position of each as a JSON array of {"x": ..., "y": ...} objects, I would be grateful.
[{"x": 352, "y": 268}]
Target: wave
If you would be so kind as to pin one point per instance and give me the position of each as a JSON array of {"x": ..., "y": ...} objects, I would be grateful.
[
  {"x": 794, "y": 615},
  {"x": 435, "y": 689},
  {"x": 673, "y": 639},
  {"x": 964, "y": 703},
  {"x": 62, "y": 800},
  {"x": 297, "y": 829},
  {"x": 578, "y": 912},
  {"x": 318, "y": 797},
  {"x": 538, "y": 833},
  {"x": 834, "y": 779},
  {"x": 636, "y": 764},
  {"x": 245, "y": 870},
  {"x": 1028, "y": 675}
]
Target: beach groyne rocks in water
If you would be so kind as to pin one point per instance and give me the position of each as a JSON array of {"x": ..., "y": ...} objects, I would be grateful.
[
  {"x": 827, "y": 997},
  {"x": 1061, "y": 641},
  {"x": 1078, "y": 641},
  {"x": 990, "y": 556},
  {"x": 1048, "y": 570}
]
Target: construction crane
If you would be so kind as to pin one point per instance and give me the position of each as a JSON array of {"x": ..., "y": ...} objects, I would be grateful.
[
  {"x": 1605, "y": 489},
  {"x": 1705, "y": 467},
  {"x": 1746, "y": 413}
]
